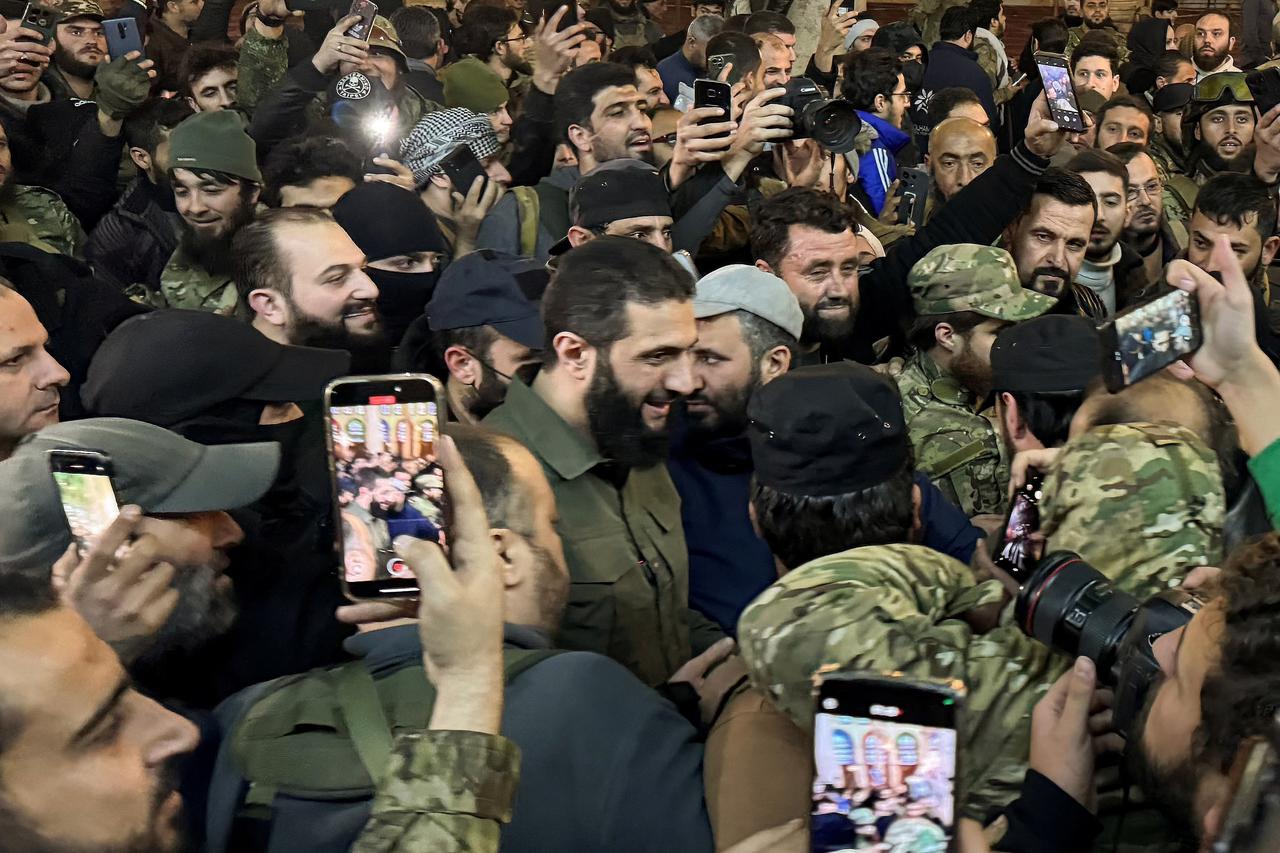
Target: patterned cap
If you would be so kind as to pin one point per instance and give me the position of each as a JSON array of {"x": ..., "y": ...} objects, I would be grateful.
[
  {"x": 384, "y": 35},
  {"x": 1141, "y": 503},
  {"x": 438, "y": 133},
  {"x": 969, "y": 277},
  {"x": 69, "y": 9}
]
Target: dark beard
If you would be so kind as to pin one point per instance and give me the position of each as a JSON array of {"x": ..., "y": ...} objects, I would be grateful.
[
  {"x": 1095, "y": 255},
  {"x": 1242, "y": 163},
  {"x": 1210, "y": 62},
  {"x": 970, "y": 372},
  {"x": 212, "y": 252},
  {"x": 72, "y": 67},
  {"x": 488, "y": 393},
  {"x": 367, "y": 351},
  {"x": 1172, "y": 789},
  {"x": 819, "y": 329},
  {"x": 729, "y": 415},
  {"x": 617, "y": 425},
  {"x": 551, "y": 589},
  {"x": 1035, "y": 283}
]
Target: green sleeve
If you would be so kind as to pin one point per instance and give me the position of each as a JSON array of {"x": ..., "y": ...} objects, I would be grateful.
[
  {"x": 263, "y": 63},
  {"x": 443, "y": 791},
  {"x": 1265, "y": 468}
]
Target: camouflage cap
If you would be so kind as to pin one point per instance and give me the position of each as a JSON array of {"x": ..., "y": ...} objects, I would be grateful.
[
  {"x": 1142, "y": 503},
  {"x": 970, "y": 277},
  {"x": 79, "y": 9},
  {"x": 384, "y": 35}
]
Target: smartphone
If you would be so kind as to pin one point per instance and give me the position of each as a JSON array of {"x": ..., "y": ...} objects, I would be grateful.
[
  {"x": 885, "y": 756},
  {"x": 1145, "y": 339},
  {"x": 83, "y": 479},
  {"x": 713, "y": 93},
  {"x": 362, "y": 28},
  {"x": 383, "y": 435},
  {"x": 717, "y": 62},
  {"x": 1265, "y": 86},
  {"x": 1059, "y": 91},
  {"x": 122, "y": 36},
  {"x": 463, "y": 168},
  {"x": 913, "y": 195},
  {"x": 1019, "y": 547},
  {"x": 42, "y": 19},
  {"x": 1018, "y": 81}
]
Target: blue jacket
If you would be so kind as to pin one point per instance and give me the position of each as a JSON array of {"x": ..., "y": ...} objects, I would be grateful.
[
  {"x": 878, "y": 168},
  {"x": 951, "y": 65},
  {"x": 674, "y": 70}
]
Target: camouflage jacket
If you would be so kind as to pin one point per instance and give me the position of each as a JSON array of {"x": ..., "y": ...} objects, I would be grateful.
[
  {"x": 897, "y": 608},
  {"x": 1076, "y": 33},
  {"x": 1142, "y": 503},
  {"x": 957, "y": 447},
  {"x": 444, "y": 791},
  {"x": 183, "y": 284},
  {"x": 38, "y": 217}
]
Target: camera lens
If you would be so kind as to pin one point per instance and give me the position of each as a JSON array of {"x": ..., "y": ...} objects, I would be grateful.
[
  {"x": 1072, "y": 607},
  {"x": 833, "y": 124}
]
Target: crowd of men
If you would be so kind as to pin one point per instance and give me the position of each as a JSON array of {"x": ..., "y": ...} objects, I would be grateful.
[{"x": 734, "y": 394}]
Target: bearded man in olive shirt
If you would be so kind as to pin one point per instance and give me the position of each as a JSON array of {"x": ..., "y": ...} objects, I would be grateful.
[{"x": 619, "y": 329}]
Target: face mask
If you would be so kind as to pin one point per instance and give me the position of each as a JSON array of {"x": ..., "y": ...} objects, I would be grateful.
[{"x": 402, "y": 297}]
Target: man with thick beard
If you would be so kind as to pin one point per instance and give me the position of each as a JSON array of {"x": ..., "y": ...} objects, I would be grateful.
[
  {"x": 304, "y": 280},
  {"x": 79, "y": 47},
  {"x": 1219, "y": 125},
  {"x": 962, "y": 295},
  {"x": 215, "y": 177},
  {"x": 620, "y": 332},
  {"x": 1213, "y": 45}
]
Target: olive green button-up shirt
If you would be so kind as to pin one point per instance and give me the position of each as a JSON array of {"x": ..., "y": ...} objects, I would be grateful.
[{"x": 628, "y": 561}]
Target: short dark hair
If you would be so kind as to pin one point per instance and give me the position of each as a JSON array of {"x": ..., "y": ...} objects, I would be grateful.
[
  {"x": 743, "y": 48},
  {"x": 1095, "y": 44},
  {"x": 768, "y": 21},
  {"x": 1231, "y": 24},
  {"x": 1158, "y": 6},
  {"x": 257, "y": 259},
  {"x": 200, "y": 59},
  {"x": 635, "y": 56},
  {"x": 920, "y": 330},
  {"x": 761, "y": 335},
  {"x": 735, "y": 23},
  {"x": 474, "y": 339},
  {"x": 985, "y": 11},
  {"x": 869, "y": 73},
  {"x": 1048, "y": 415},
  {"x": 593, "y": 284},
  {"x": 484, "y": 452},
  {"x": 772, "y": 221},
  {"x": 1050, "y": 35},
  {"x": 419, "y": 31},
  {"x": 1229, "y": 198},
  {"x": 956, "y": 22},
  {"x": 1127, "y": 152},
  {"x": 800, "y": 528},
  {"x": 1133, "y": 103},
  {"x": 576, "y": 92},
  {"x": 1097, "y": 160},
  {"x": 303, "y": 159},
  {"x": 1169, "y": 62},
  {"x": 148, "y": 126},
  {"x": 482, "y": 28},
  {"x": 1067, "y": 188},
  {"x": 946, "y": 100}
]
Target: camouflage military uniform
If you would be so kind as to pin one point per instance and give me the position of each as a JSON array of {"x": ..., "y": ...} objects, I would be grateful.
[
  {"x": 1156, "y": 482},
  {"x": 38, "y": 217},
  {"x": 955, "y": 445},
  {"x": 184, "y": 284},
  {"x": 444, "y": 791},
  {"x": 1075, "y": 34}
]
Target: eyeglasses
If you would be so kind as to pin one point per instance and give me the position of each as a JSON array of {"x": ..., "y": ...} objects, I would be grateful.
[
  {"x": 906, "y": 95},
  {"x": 521, "y": 37},
  {"x": 1151, "y": 189}
]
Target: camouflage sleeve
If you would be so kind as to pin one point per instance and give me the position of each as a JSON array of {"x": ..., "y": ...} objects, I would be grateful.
[
  {"x": 444, "y": 791},
  {"x": 988, "y": 61},
  {"x": 263, "y": 64},
  {"x": 67, "y": 235}
]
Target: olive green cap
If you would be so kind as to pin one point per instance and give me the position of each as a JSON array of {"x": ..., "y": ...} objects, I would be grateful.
[{"x": 215, "y": 141}]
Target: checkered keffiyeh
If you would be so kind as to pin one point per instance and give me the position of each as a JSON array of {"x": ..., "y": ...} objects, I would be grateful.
[{"x": 439, "y": 133}]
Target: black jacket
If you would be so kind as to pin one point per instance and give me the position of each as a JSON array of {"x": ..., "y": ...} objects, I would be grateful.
[
  {"x": 1045, "y": 819},
  {"x": 78, "y": 162},
  {"x": 951, "y": 65},
  {"x": 134, "y": 241}
]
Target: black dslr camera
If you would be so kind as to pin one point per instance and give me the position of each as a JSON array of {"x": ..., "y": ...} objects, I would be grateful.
[
  {"x": 1072, "y": 607},
  {"x": 830, "y": 122}
]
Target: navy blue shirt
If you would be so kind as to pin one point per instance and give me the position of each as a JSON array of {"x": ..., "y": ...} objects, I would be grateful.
[{"x": 674, "y": 70}]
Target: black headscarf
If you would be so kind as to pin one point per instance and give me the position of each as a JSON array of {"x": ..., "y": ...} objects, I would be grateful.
[{"x": 1146, "y": 46}]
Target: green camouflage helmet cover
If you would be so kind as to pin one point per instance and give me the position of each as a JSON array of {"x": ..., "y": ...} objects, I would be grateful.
[
  {"x": 896, "y": 608},
  {"x": 1142, "y": 503},
  {"x": 970, "y": 277}
]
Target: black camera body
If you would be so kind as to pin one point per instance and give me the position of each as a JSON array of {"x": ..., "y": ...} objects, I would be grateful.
[
  {"x": 831, "y": 122},
  {"x": 1072, "y": 607}
]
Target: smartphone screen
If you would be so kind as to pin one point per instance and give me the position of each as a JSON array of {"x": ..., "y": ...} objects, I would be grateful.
[
  {"x": 362, "y": 28},
  {"x": 88, "y": 499},
  {"x": 1059, "y": 91},
  {"x": 383, "y": 438},
  {"x": 885, "y": 758},
  {"x": 1020, "y": 546},
  {"x": 713, "y": 93},
  {"x": 1147, "y": 338}
]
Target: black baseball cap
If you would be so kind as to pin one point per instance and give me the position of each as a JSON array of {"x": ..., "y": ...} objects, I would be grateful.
[
  {"x": 168, "y": 366},
  {"x": 827, "y": 430},
  {"x": 618, "y": 189},
  {"x": 1172, "y": 97},
  {"x": 491, "y": 288},
  {"x": 1051, "y": 354}
]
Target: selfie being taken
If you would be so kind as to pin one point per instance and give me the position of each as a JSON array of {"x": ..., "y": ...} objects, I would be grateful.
[{"x": 620, "y": 426}]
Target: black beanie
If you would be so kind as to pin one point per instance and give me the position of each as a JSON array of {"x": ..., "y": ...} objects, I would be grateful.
[{"x": 385, "y": 220}]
